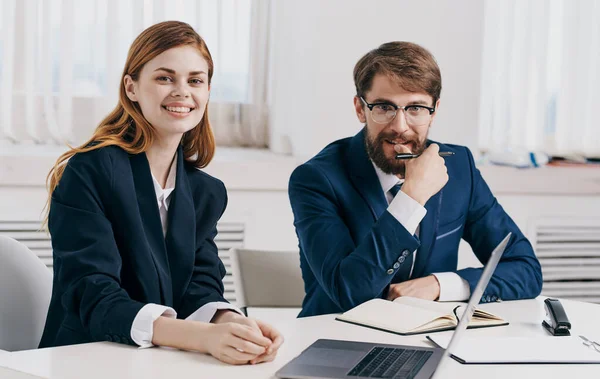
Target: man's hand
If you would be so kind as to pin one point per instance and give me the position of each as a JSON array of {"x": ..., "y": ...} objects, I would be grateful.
[
  {"x": 426, "y": 175},
  {"x": 427, "y": 288}
]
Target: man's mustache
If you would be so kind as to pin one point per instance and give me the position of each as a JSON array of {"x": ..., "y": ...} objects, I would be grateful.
[{"x": 396, "y": 137}]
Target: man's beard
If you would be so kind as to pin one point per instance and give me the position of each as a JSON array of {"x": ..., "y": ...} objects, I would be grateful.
[{"x": 391, "y": 165}]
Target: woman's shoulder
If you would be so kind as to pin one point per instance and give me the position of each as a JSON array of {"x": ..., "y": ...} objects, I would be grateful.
[
  {"x": 101, "y": 155},
  {"x": 200, "y": 180},
  {"x": 90, "y": 172},
  {"x": 97, "y": 165},
  {"x": 198, "y": 176}
]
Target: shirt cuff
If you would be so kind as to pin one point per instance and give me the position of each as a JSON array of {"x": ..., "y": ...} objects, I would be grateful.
[
  {"x": 407, "y": 211},
  {"x": 452, "y": 287},
  {"x": 142, "y": 328},
  {"x": 206, "y": 312}
]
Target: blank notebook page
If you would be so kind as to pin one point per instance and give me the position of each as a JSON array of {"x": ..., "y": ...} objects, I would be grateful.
[{"x": 389, "y": 315}]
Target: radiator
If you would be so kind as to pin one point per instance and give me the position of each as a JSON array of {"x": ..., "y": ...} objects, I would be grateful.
[
  {"x": 569, "y": 251},
  {"x": 27, "y": 232}
]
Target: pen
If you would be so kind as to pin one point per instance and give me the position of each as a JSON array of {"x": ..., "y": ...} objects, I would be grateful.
[{"x": 411, "y": 156}]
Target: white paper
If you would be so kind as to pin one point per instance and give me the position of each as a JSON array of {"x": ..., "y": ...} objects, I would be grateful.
[{"x": 550, "y": 349}]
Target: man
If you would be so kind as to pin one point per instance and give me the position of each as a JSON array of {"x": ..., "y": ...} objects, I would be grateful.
[{"x": 370, "y": 225}]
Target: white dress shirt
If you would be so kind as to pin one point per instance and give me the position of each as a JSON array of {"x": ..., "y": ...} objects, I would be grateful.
[
  {"x": 410, "y": 213},
  {"x": 142, "y": 328}
]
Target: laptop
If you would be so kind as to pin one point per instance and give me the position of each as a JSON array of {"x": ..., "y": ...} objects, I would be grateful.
[{"x": 349, "y": 359}]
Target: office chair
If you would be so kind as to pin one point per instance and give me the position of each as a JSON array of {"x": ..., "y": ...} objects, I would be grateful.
[
  {"x": 269, "y": 279},
  {"x": 25, "y": 290}
]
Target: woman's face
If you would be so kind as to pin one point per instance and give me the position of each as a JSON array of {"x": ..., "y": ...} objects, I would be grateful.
[{"x": 172, "y": 90}]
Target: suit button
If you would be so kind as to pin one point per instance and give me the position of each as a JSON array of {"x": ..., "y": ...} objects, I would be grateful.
[
  {"x": 401, "y": 259},
  {"x": 396, "y": 265},
  {"x": 405, "y": 253},
  {"x": 390, "y": 271}
]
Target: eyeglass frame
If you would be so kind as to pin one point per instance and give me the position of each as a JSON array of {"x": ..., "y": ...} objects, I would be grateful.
[{"x": 396, "y": 107}]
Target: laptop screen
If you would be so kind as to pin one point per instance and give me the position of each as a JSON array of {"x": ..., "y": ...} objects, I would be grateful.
[{"x": 488, "y": 271}]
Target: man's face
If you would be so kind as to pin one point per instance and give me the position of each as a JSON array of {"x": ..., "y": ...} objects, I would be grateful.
[{"x": 382, "y": 138}]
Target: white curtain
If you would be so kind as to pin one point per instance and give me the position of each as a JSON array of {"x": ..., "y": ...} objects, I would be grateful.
[
  {"x": 61, "y": 61},
  {"x": 540, "y": 76},
  {"x": 246, "y": 124}
]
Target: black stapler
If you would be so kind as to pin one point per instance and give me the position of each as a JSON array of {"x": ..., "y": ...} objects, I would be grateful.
[{"x": 556, "y": 321}]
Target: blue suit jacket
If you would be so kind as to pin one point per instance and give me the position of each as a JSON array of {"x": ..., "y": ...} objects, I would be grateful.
[
  {"x": 348, "y": 241},
  {"x": 110, "y": 256}
]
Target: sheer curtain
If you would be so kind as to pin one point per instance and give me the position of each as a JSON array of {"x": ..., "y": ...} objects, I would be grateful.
[
  {"x": 540, "y": 76},
  {"x": 61, "y": 61}
]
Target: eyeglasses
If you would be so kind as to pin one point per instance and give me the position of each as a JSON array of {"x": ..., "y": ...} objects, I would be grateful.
[{"x": 415, "y": 115}]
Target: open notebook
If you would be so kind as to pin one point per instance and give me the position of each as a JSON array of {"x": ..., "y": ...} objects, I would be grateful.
[{"x": 408, "y": 315}]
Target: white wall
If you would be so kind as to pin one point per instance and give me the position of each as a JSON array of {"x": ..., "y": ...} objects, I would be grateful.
[{"x": 317, "y": 43}]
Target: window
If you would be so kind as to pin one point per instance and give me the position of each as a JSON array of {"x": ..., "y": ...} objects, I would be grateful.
[
  {"x": 540, "y": 77},
  {"x": 61, "y": 62}
]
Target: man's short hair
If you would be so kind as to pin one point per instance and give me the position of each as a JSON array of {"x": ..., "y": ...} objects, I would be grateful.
[{"x": 410, "y": 65}]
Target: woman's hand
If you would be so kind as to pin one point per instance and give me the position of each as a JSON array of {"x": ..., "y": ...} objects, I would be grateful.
[
  {"x": 233, "y": 343},
  {"x": 265, "y": 329},
  {"x": 275, "y": 336},
  {"x": 230, "y": 342}
]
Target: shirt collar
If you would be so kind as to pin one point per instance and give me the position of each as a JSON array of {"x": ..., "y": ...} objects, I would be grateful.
[
  {"x": 164, "y": 193},
  {"x": 387, "y": 181}
]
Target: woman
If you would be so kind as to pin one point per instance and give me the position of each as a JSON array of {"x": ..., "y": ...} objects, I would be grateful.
[{"x": 125, "y": 269}]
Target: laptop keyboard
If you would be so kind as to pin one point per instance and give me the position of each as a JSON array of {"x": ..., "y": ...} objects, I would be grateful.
[{"x": 386, "y": 362}]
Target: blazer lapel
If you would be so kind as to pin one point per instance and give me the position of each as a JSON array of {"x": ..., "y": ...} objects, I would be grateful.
[
  {"x": 181, "y": 232},
  {"x": 150, "y": 219},
  {"x": 363, "y": 176},
  {"x": 427, "y": 233}
]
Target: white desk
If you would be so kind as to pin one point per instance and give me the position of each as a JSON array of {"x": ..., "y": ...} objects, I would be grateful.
[{"x": 110, "y": 360}]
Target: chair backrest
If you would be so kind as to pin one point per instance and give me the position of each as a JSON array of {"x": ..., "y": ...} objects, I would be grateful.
[
  {"x": 270, "y": 279},
  {"x": 25, "y": 291}
]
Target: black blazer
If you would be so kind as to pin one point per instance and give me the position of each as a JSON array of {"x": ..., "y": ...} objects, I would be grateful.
[{"x": 110, "y": 256}]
